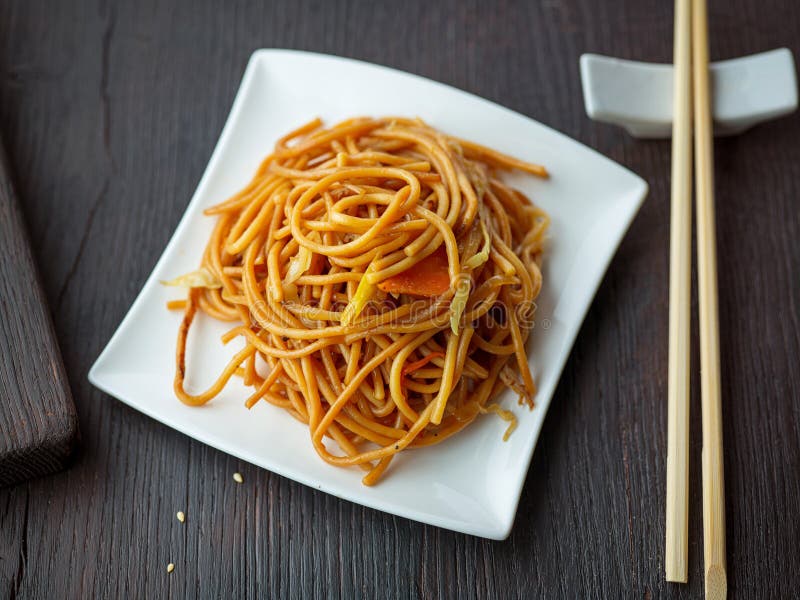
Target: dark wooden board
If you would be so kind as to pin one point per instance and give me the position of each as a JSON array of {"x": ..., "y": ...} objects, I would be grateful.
[
  {"x": 38, "y": 422},
  {"x": 110, "y": 112}
]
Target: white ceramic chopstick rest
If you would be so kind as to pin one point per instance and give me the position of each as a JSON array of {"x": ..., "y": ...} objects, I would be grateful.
[{"x": 638, "y": 95}]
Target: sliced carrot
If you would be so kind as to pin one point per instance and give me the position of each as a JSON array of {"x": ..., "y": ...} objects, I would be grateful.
[
  {"x": 429, "y": 277},
  {"x": 415, "y": 366},
  {"x": 317, "y": 264}
]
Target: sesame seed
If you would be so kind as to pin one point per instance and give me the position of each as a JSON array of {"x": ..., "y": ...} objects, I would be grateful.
[
  {"x": 170, "y": 568},
  {"x": 237, "y": 477},
  {"x": 181, "y": 516}
]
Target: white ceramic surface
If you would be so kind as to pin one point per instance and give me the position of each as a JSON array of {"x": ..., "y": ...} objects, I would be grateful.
[
  {"x": 638, "y": 95},
  {"x": 472, "y": 482}
]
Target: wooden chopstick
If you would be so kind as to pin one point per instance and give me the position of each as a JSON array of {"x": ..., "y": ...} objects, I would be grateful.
[
  {"x": 680, "y": 285},
  {"x": 713, "y": 473}
]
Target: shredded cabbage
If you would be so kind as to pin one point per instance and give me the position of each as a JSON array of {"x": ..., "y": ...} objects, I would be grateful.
[
  {"x": 298, "y": 264},
  {"x": 290, "y": 292},
  {"x": 482, "y": 256},
  {"x": 511, "y": 379},
  {"x": 201, "y": 278},
  {"x": 459, "y": 303},
  {"x": 364, "y": 293}
]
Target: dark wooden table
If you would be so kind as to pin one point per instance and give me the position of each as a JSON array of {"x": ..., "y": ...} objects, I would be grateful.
[{"x": 109, "y": 113}]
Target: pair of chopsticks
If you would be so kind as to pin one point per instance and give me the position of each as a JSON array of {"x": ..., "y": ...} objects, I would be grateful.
[{"x": 691, "y": 94}]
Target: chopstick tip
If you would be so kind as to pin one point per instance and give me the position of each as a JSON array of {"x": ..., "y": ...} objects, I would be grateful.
[{"x": 716, "y": 583}]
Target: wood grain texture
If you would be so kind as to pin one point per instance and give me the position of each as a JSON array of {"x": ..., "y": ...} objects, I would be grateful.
[
  {"x": 110, "y": 113},
  {"x": 38, "y": 422}
]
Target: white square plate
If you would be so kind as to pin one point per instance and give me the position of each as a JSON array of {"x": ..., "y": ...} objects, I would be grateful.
[{"x": 471, "y": 482}]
